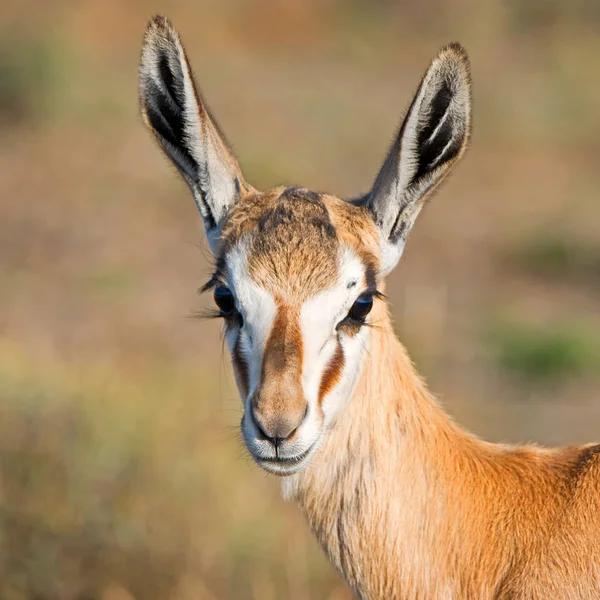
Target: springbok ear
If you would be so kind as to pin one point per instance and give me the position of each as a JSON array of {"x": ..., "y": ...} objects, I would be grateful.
[
  {"x": 432, "y": 138},
  {"x": 174, "y": 111}
]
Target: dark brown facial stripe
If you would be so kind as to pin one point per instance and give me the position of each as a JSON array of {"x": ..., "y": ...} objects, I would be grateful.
[
  {"x": 279, "y": 405},
  {"x": 240, "y": 367},
  {"x": 332, "y": 373},
  {"x": 283, "y": 350}
]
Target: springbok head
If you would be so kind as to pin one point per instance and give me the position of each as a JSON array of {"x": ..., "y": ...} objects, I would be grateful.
[{"x": 297, "y": 272}]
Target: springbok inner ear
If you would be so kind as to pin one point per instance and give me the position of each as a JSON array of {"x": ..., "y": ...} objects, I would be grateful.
[
  {"x": 163, "y": 106},
  {"x": 174, "y": 111},
  {"x": 432, "y": 138}
]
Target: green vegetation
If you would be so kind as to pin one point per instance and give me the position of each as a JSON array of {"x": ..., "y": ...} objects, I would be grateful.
[
  {"x": 544, "y": 14},
  {"x": 82, "y": 490},
  {"x": 28, "y": 72},
  {"x": 557, "y": 255},
  {"x": 546, "y": 353}
]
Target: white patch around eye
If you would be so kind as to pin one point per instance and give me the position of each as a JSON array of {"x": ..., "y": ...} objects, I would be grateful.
[
  {"x": 258, "y": 310},
  {"x": 319, "y": 318}
]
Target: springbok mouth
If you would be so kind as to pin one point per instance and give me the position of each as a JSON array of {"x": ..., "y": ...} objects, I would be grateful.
[
  {"x": 291, "y": 460},
  {"x": 285, "y": 466}
]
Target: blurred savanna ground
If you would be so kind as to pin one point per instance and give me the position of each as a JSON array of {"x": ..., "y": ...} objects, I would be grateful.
[{"x": 121, "y": 470}]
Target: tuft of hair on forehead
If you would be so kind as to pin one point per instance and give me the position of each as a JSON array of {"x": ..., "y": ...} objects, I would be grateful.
[{"x": 294, "y": 239}]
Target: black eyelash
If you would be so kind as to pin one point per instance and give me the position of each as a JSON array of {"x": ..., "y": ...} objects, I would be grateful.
[
  {"x": 208, "y": 313},
  {"x": 212, "y": 283},
  {"x": 216, "y": 278},
  {"x": 230, "y": 321}
]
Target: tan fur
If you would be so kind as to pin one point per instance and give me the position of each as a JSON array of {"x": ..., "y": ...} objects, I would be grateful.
[
  {"x": 406, "y": 504},
  {"x": 294, "y": 237},
  {"x": 409, "y": 506}
]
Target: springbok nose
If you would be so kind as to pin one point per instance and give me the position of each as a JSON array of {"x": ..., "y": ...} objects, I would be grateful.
[
  {"x": 277, "y": 428},
  {"x": 278, "y": 404}
]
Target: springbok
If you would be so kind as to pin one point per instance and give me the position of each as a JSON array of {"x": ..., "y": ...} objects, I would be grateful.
[{"x": 404, "y": 502}]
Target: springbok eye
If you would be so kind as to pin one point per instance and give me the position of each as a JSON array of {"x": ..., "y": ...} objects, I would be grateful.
[
  {"x": 360, "y": 309},
  {"x": 224, "y": 300}
]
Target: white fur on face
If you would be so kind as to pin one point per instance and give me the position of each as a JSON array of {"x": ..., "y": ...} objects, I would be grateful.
[
  {"x": 319, "y": 317},
  {"x": 258, "y": 310}
]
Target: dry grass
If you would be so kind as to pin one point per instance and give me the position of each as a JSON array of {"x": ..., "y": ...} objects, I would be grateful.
[{"x": 122, "y": 474}]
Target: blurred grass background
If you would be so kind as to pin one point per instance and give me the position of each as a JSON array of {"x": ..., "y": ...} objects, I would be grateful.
[{"x": 122, "y": 475}]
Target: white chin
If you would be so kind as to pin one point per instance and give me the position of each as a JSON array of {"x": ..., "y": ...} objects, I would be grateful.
[{"x": 282, "y": 468}]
